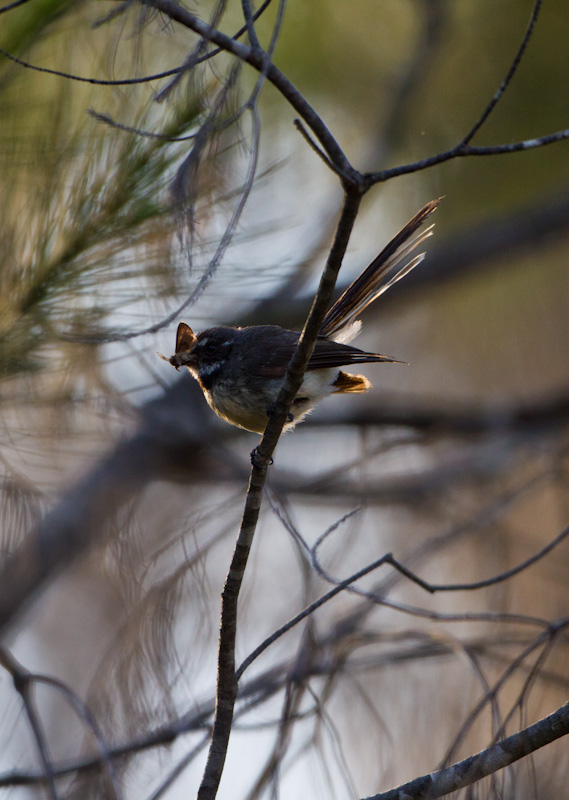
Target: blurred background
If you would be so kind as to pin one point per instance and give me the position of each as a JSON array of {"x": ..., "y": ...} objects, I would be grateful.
[{"x": 456, "y": 463}]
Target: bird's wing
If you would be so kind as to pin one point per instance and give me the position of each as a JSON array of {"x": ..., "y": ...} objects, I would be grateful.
[{"x": 326, "y": 354}]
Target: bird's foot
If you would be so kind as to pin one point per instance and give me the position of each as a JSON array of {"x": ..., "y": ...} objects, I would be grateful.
[{"x": 256, "y": 460}]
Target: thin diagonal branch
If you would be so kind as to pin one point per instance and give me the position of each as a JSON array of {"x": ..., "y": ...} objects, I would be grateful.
[
  {"x": 487, "y": 762},
  {"x": 175, "y": 71},
  {"x": 106, "y": 119},
  {"x": 542, "y": 639},
  {"x": 462, "y": 151},
  {"x": 23, "y": 684},
  {"x": 198, "y": 54},
  {"x": 82, "y": 79},
  {"x": 10, "y": 6},
  {"x": 506, "y": 82},
  {"x": 306, "y": 612},
  {"x": 436, "y": 587}
]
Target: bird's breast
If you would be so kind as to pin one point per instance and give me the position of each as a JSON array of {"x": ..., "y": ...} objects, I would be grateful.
[{"x": 247, "y": 403}]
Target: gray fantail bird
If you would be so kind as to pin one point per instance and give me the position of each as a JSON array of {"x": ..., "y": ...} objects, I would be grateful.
[{"x": 240, "y": 370}]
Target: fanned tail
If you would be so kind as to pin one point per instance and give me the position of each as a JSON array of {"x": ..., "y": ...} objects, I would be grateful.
[{"x": 382, "y": 273}]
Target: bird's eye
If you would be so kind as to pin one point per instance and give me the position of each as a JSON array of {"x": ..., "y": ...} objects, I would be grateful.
[{"x": 210, "y": 347}]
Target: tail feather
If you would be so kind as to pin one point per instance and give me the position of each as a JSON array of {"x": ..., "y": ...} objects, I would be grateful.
[{"x": 384, "y": 271}]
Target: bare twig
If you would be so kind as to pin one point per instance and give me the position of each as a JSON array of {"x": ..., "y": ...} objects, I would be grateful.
[
  {"x": 274, "y": 75},
  {"x": 259, "y": 690},
  {"x": 541, "y": 640},
  {"x": 86, "y": 716},
  {"x": 106, "y": 119},
  {"x": 10, "y": 6},
  {"x": 180, "y": 767},
  {"x": 197, "y": 55},
  {"x": 507, "y": 574},
  {"x": 80, "y": 79},
  {"x": 121, "y": 81},
  {"x": 511, "y": 72},
  {"x": 200, "y": 53},
  {"x": 23, "y": 683},
  {"x": 437, "y": 587},
  {"x": 461, "y": 151},
  {"x": 472, "y": 769},
  {"x": 309, "y": 610},
  {"x": 249, "y": 22},
  {"x": 165, "y": 442},
  {"x": 314, "y": 147}
]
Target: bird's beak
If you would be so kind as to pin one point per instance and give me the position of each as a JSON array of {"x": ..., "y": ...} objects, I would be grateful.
[{"x": 179, "y": 359}]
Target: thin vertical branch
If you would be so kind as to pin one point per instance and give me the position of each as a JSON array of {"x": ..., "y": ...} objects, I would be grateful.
[
  {"x": 226, "y": 692},
  {"x": 251, "y": 32}
]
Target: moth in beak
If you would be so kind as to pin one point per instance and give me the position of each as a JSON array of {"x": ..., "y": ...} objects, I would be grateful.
[{"x": 186, "y": 341}]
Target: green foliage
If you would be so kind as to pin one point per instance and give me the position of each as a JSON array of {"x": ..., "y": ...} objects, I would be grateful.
[
  {"x": 85, "y": 222},
  {"x": 22, "y": 29}
]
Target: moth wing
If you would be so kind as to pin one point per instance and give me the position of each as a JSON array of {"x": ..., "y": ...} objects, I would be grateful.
[{"x": 185, "y": 338}]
